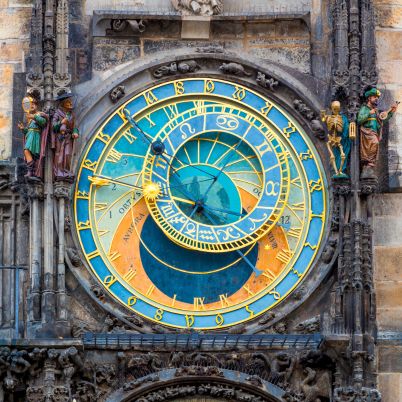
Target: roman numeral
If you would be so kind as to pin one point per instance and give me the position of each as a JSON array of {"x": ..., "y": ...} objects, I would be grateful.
[
  {"x": 224, "y": 300},
  {"x": 130, "y": 274},
  {"x": 269, "y": 275},
  {"x": 295, "y": 232},
  {"x": 114, "y": 156},
  {"x": 129, "y": 136},
  {"x": 150, "y": 290},
  {"x": 113, "y": 255},
  {"x": 284, "y": 256},
  {"x": 199, "y": 303}
]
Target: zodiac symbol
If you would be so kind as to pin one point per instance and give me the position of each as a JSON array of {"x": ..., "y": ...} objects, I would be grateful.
[
  {"x": 177, "y": 219},
  {"x": 227, "y": 122},
  {"x": 190, "y": 130},
  {"x": 306, "y": 155},
  {"x": 205, "y": 237},
  {"x": 315, "y": 185},
  {"x": 89, "y": 164},
  {"x": 190, "y": 229},
  {"x": 270, "y": 188},
  {"x": 254, "y": 221},
  {"x": 227, "y": 234}
]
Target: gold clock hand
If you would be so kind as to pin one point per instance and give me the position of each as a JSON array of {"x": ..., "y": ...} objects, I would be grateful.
[
  {"x": 99, "y": 181},
  {"x": 158, "y": 147},
  {"x": 184, "y": 200}
]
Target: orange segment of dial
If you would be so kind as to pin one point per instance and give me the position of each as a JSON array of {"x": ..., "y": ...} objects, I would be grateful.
[{"x": 126, "y": 243}]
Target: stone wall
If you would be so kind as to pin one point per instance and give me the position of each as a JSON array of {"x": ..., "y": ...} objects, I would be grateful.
[
  {"x": 284, "y": 42},
  {"x": 388, "y": 207},
  {"x": 15, "y": 18},
  {"x": 389, "y": 60}
]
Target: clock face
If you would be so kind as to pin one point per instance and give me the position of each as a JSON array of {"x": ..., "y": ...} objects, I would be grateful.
[{"x": 200, "y": 203}]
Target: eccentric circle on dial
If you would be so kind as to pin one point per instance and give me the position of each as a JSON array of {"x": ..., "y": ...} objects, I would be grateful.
[{"x": 205, "y": 224}]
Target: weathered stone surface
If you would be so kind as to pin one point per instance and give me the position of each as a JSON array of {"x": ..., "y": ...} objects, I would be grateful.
[
  {"x": 296, "y": 57},
  {"x": 19, "y": 29},
  {"x": 389, "y": 318},
  {"x": 389, "y": 295},
  {"x": 110, "y": 52},
  {"x": 390, "y": 386},
  {"x": 387, "y": 263},
  {"x": 195, "y": 27},
  {"x": 390, "y": 359},
  {"x": 388, "y": 14}
]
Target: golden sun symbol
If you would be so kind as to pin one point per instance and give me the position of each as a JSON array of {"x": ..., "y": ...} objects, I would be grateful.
[{"x": 151, "y": 191}]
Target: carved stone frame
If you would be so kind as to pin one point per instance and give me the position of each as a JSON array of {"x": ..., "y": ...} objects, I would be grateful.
[
  {"x": 234, "y": 382},
  {"x": 95, "y": 107}
]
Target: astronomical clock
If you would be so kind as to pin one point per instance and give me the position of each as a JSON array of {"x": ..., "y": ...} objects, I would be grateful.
[{"x": 200, "y": 203}]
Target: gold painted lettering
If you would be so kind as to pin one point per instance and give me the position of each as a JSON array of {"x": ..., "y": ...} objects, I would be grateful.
[
  {"x": 209, "y": 86},
  {"x": 267, "y": 108},
  {"x": 109, "y": 280},
  {"x": 284, "y": 256},
  {"x": 248, "y": 290},
  {"x": 219, "y": 320},
  {"x": 150, "y": 290},
  {"x": 130, "y": 274},
  {"x": 114, "y": 156},
  {"x": 189, "y": 320},
  {"x": 224, "y": 300},
  {"x": 179, "y": 87},
  {"x": 248, "y": 309},
  {"x": 159, "y": 314},
  {"x": 150, "y": 97},
  {"x": 239, "y": 93},
  {"x": 199, "y": 303}
]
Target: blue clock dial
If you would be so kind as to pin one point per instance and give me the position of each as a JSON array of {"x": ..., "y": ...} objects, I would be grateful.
[{"x": 200, "y": 203}]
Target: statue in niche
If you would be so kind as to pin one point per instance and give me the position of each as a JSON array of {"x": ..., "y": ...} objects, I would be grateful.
[
  {"x": 35, "y": 137},
  {"x": 339, "y": 139},
  {"x": 198, "y": 7},
  {"x": 64, "y": 133},
  {"x": 371, "y": 123}
]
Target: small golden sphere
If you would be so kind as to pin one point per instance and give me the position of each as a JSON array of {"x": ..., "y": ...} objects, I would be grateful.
[{"x": 151, "y": 191}]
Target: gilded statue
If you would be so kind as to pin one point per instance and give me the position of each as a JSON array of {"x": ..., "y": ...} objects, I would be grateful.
[
  {"x": 371, "y": 123},
  {"x": 35, "y": 132},
  {"x": 339, "y": 139}
]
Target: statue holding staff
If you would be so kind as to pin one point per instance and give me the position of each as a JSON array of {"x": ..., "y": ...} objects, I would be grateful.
[{"x": 371, "y": 124}]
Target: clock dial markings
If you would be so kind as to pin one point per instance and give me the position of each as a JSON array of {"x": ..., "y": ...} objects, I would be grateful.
[{"x": 290, "y": 219}]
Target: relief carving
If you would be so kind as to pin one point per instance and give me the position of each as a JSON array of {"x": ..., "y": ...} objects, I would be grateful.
[{"x": 198, "y": 7}]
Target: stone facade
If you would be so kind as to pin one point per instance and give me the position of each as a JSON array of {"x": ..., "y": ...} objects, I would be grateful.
[
  {"x": 387, "y": 223},
  {"x": 15, "y": 17},
  {"x": 302, "y": 51}
]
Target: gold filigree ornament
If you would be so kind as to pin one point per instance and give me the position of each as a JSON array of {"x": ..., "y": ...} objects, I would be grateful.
[{"x": 151, "y": 191}]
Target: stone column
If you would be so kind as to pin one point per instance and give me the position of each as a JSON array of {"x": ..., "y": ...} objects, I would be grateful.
[
  {"x": 35, "y": 193},
  {"x": 61, "y": 192},
  {"x": 48, "y": 296}
]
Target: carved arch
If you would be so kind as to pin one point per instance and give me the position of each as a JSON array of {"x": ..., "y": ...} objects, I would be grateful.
[{"x": 221, "y": 385}]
